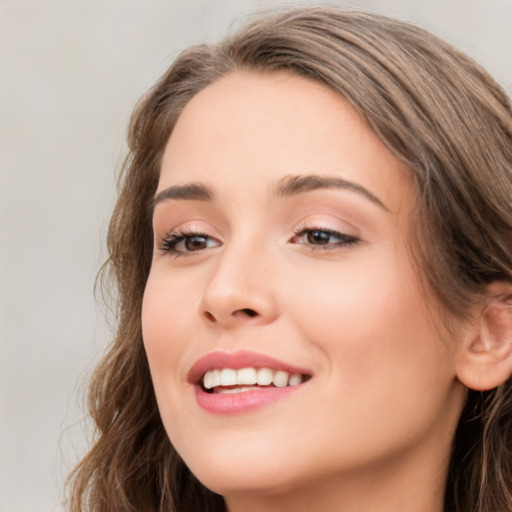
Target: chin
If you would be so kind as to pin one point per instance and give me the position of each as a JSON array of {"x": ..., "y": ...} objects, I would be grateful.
[
  {"x": 248, "y": 470},
  {"x": 228, "y": 482}
]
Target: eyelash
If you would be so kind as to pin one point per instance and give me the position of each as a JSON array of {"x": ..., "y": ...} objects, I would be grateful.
[
  {"x": 343, "y": 239},
  {"x": 171, "y": 240}
]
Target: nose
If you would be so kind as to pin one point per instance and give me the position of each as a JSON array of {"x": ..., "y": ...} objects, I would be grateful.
[{"x": 239, "y": 290}]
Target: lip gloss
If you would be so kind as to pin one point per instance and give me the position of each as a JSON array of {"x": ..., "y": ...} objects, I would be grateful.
[{"x": 243, "y": 400}]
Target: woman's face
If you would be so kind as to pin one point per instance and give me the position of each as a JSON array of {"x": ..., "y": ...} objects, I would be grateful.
[{"x": 281, "y": 228}]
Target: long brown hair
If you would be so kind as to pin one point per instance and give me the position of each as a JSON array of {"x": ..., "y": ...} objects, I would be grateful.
[{"x": 439, "y": 112}]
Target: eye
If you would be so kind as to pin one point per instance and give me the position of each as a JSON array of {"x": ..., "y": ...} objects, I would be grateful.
[
  {"x": 183, "y": 242},
  {"x": 323, "y": 238}
]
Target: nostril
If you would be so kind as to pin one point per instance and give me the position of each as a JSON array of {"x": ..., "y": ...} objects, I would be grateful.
[
  {"x": 209, "y": 316},
  {"x": 237, "y": 314},
  {"x": 248, "y": 312}
]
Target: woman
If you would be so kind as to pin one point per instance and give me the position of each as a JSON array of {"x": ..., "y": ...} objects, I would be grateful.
[{"x": 312, "y": 246}]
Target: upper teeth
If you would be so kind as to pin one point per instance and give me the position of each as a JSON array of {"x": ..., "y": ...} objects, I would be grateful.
[{"x": 250, "y": 377}]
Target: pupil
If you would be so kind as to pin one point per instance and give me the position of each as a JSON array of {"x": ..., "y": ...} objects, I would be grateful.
[
  {"x": 318, "y": 237},
  {"x": 195, "y": 242}
]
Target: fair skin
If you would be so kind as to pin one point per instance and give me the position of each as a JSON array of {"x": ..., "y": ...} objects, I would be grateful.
[{"x": 319, "y": 278}]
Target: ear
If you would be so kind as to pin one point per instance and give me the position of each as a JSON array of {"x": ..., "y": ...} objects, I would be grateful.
[{"x": 485, "y": 361}]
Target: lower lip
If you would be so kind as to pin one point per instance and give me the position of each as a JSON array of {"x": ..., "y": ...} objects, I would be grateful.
[{"x": 232, "y": 403}]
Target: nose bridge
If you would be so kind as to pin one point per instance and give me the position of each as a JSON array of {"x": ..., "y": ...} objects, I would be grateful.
[{"x": 240, "y": 287}]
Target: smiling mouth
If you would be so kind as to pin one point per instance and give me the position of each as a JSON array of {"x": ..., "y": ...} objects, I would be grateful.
[{"x": 229, "y": 380}]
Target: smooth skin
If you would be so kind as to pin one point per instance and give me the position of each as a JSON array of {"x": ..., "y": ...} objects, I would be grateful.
[{"x": 322, "y": 279}]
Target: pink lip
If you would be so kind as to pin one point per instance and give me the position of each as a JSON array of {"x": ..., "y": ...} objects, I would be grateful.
[
  {"x": 237, "y": 360},
  {"x": 232, "y": 403}
]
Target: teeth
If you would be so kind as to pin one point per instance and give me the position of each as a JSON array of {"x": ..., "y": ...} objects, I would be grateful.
[
  {"x": 280, "y": 379},
  {"x": 235, "y": 390},
  {"x": 249, "y": 377},
  {"x": 295, "y": 379},
  {"x": 246, "y": 376},
  {"x": 264, "y": 377},
  {"x": 211, "y": 379},
  {"x": 227, "y": 377}
]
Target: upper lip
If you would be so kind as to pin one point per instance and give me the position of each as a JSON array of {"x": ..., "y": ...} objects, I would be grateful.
[{"x": 237, "y": 360}]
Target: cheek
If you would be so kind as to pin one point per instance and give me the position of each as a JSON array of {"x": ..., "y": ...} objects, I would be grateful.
[
  {"x": 371, "y": 323},
  {"x": 165, "y": 314},
  {"x": 157, "y": 308},
  {"x": 346, "y": 301},
  {"x": 168, "y": 306}
]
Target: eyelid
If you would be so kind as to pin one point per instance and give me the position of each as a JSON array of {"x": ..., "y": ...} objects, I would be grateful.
[
  {"x": 346, "y": 238},
  {"x": 330, "y": 222},
  {"x": 199, "y": 225}
]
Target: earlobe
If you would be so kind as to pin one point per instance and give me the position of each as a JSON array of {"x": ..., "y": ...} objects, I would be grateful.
[{"x": 486, "y": 361}]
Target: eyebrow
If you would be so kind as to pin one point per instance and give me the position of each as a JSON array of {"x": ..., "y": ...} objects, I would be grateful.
[
  {"x": 188, "y": 191},
  {"x": 286, "y": 187},
  {"x": 292, "y": 185}
]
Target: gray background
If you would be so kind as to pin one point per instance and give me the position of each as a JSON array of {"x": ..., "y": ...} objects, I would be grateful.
[{"x": 70, "y": 73}]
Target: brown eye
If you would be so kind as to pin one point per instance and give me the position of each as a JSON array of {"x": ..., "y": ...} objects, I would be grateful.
[
  {"x": 183, "y": 243},
  {"x": 323, "y": 238},
  {"x": 318, "y": 237},
  {"x": 196, "y": 242}
]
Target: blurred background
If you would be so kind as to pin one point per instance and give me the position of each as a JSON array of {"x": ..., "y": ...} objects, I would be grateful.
[{"x": 70, "y": 73}]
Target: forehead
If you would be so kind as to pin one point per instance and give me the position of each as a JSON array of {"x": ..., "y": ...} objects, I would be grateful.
[{"x": 259, "y": 128}]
